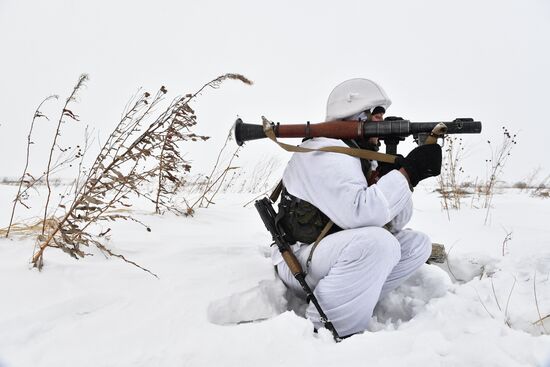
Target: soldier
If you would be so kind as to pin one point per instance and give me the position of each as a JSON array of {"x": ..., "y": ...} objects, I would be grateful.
[{"x": 367, "y": 252}]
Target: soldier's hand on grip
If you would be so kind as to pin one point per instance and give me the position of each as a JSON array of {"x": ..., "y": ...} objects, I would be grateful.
[{"x": 422, "y": 162}]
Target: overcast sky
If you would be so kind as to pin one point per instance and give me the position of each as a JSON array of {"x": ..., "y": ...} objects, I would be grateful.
[{"x": 436, "y": 59}]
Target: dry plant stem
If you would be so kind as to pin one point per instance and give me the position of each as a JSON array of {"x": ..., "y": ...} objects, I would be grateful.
[
  {"x": 161, "y": 167},
  {"x": 103, "y": 248},
  {"x": 259, "y": 196},
  {"x": 65, "y": 112},
  {"x": 506, "y": 240},
  {"x": 54, "y": 169},
  {"x": 448, "y": 180},
  {"x": 170, "y": 160},
  {"x": 498, "y": 161},
  {"x": 508, "y": 302},
  {"x": 482, "y": 303},
  {"x": 223, "y": 176},
  {"x": 86, "y": 147},
  {"x": 209, "y": 187},
  {"x": 119, "y": 193},
  {"x": 213, "y": 84},
  {"x": 119, "y": 137},
  {"x": 260, "y": 177},
  {"x": 473, "y": 195},
  {"x": 37, "y": 257},
  {"x": 537, "y": 302},
  {"x": 444, "y": 198},
  {"x": 542, "y": 319},
  {"x": 37, "y": 114},
  {"x": 128, "y": 130},
  {"x": 216, "y": 164},
  {"x": 449, "y": 263},
  {"x": 495, "y": 295}
]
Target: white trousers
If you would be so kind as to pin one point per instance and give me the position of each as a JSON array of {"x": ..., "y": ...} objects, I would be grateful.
[{"x": 352, "y": 269}]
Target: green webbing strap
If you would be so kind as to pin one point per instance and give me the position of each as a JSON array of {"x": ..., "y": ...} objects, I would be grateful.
[
  {"x": 323, "y": 233},
  {"x": 354, "y": 152}
]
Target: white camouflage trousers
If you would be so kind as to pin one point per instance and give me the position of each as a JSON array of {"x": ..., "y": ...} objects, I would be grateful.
[{"x": 352, "y": 269}]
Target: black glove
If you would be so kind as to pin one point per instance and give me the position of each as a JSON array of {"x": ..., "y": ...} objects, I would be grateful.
[
  {"x": 384, "y": 167},
  {"x": 393, "y": 118},
  {"x": 422, "y": 162}
]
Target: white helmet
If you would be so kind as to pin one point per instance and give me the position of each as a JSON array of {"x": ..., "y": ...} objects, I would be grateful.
[{"x": 355, "y": 96}]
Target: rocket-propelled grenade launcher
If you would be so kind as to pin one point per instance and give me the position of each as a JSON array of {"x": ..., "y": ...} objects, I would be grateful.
[{"x": 392, "y": 131}]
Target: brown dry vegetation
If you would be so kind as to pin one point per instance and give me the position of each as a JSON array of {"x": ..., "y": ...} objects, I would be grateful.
[{"x": 143, "y": 149}]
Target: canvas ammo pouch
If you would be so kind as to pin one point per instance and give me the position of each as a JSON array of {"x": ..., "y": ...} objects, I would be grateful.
[{"x": 302, "y": 221}]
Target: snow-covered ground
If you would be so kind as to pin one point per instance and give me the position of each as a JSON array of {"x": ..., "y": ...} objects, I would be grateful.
[{"x": 215, "y": 272}]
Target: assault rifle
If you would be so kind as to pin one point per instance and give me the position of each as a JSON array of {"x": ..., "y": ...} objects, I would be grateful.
[
  {"x": 267, "y": 213},
  {"x": 391, "y": 130}
]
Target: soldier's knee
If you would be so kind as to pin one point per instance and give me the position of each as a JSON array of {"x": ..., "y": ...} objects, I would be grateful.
[
  {"x": 421, "y": 246},
  {"x": 374, "y": 243}
]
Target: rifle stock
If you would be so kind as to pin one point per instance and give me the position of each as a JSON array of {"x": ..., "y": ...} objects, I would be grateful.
[{"x": 267, "y": 213}]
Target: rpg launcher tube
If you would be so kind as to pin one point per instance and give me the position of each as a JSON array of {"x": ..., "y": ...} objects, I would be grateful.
[{"x": 342, "y": 129}]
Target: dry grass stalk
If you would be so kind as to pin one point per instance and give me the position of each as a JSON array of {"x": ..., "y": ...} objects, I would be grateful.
[
  {"x": 449, "y": 181},
  {"x": 26, "y": 177},
  {"x": 218, "y": 182},
  {"x": 496, "y": 166},
  {"x": 541, "y": 319},
  {"x": 261, "y": 176},
  {"x": 82, "y": 155},
  {"x": 121, "y": 169},
  {"x": 483, "y": 303},
  {"x": 495, "y": 295},
  {"x": 214, "y": 168},
  {"x": 542, "y": 190},
  {"x": 264, "y": 193},
  {"x": 24, "y": 229},
  {"x": 507, "y": 239},
  {"x": 64, "y": 113},
  {"x": 217, "y": 177},
  {"x": 507, "y": 318},
  {"x": 171, "y": 163}
]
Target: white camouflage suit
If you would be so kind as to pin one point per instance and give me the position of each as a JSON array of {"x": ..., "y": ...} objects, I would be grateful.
[{"x": 352, "y": 269}]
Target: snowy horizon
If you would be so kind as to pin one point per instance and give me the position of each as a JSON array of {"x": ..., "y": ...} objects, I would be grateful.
[{"x": 436, "y": 60}]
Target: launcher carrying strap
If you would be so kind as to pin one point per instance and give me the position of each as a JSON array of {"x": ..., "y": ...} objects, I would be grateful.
[{"x": 354, "y": 152}]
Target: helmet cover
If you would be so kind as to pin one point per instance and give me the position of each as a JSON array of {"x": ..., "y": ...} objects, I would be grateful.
[{"x": 355, "y": 96}]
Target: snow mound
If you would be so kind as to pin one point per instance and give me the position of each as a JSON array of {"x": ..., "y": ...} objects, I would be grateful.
[
  {"x": 465, "y": 267},
  {"x": 411, "y": 298},
  {"x": 262, "y": 302}
]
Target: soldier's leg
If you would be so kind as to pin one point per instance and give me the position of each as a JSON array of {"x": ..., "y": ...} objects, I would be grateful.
[
  {"x": 347, "y": 272},
  {"x": 415, "y": 247}
]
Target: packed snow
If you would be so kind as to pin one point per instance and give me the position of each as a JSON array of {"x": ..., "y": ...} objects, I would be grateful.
[{"x": 217, "y": 300}]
